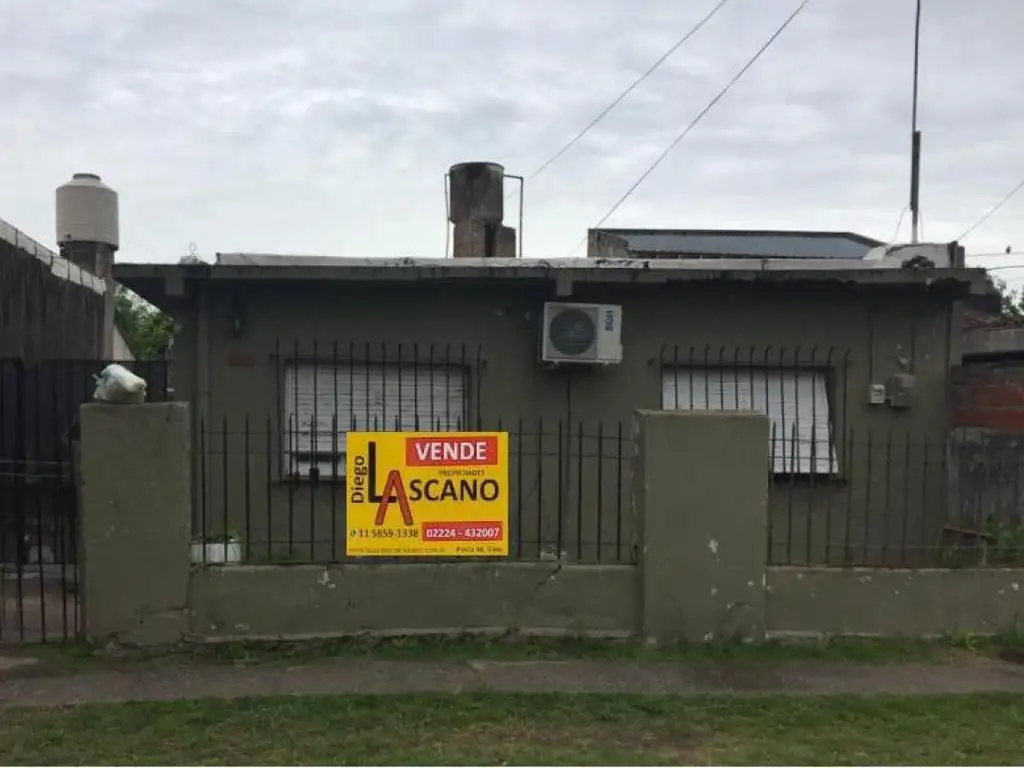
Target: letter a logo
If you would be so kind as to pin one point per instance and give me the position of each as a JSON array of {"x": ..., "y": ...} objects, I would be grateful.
[{"x": 394, "y": 485}]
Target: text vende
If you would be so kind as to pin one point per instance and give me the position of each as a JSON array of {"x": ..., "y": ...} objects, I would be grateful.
[{"x": 451, "y": 451}]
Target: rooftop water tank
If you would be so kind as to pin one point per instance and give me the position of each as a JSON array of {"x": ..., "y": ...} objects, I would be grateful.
[
  {"x": 87, "y": 211},
  {"x": 477, "y": 191}
]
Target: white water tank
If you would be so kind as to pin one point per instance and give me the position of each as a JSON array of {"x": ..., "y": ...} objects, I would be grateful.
[{"x": 87, "y": 212}]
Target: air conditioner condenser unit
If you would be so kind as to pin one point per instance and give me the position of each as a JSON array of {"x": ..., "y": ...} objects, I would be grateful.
[{"x": 582, "y": 334}]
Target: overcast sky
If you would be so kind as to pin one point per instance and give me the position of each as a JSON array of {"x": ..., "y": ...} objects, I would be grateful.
[{"x": 311, "y": 126}]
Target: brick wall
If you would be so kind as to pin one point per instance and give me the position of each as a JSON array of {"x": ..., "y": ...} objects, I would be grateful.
[
  {"x": 989, "y": 395},
  {"x": 986, "y": 448}
]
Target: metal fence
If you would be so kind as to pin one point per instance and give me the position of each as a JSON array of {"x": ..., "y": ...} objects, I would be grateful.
[
  {"x": 843, "y": 495},
  {"x": 569, "y": 488},
  {"x": 39, "y": 405},
  {"x": 889, "y": 500}
]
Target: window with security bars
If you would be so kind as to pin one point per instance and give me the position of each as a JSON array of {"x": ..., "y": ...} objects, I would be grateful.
[
  {"x": 322, "y": 403},
  {"x": 795, "y": 401}
]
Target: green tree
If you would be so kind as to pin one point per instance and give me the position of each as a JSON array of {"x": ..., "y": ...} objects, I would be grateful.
[
  {"x": 147, "y": 330},
  {"x": 1012, "y": 302}
]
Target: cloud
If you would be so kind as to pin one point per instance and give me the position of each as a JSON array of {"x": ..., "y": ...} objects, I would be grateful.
[{"x": 312, "y": 127}]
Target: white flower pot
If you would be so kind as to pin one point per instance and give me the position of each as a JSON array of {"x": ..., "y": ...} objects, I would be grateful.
[{"x": 218, "y": 552}]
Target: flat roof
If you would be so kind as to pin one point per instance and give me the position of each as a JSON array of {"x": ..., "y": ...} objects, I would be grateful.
[{"x": 157, "y": 281}]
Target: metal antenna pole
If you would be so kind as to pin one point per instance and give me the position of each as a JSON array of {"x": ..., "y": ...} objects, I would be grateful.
[{"x": 915, "y": 138}]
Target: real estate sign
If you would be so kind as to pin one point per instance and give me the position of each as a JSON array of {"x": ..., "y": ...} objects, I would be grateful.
[{"x": 416, "y": 494}]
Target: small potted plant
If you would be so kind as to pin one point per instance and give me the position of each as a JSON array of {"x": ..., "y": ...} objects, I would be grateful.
[{"x": 217, "y": 549}]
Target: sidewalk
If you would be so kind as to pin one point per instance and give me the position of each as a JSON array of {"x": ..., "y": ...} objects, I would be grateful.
[{"x": 183, "y": 680}]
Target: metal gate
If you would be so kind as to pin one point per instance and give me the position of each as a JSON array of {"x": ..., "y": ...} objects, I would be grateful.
[{"x": 39, "y": 405}]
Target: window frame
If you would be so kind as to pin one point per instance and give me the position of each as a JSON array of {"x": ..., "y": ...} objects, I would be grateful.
[
  {"x": 299, "y": 465},
  {"x": 788, "y": 464}
]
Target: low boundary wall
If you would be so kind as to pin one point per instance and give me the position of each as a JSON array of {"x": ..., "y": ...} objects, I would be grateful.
[
  {"x": 604, "y": 601},
  {"x": 700, "y": 508},
  {"x": 867, "y": 601},
  {"x": 306, "y": 600}
]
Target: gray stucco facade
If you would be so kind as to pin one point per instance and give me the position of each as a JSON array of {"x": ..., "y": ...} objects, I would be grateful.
[{"x": 241, "y": 323}]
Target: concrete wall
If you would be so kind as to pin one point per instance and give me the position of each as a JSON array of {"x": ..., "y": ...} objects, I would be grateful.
[
  {"x": 231, "y": 376},
  {"x": 503, "y": 321},
  {"x": 140, "y": 588},
  {"x": 869, "y": 601},
  {"x": 300, "y": 601},
  {"x": 136, "y": 488},
  {"x": 701, "y": 576}
]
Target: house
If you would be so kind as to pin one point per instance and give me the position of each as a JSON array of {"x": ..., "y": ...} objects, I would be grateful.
[{"x": 850, "y": 358}]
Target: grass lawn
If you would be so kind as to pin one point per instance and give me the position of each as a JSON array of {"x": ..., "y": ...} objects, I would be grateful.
[
  {"x": 58, "y": 659},
  {"x": 542, "y": 729}
]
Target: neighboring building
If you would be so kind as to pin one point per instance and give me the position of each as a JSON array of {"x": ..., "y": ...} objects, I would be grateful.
[
  {"x": 987, "y": 448},
  {"x": 761, "y": 244},
  {"x": 60, "y": 306},
  {"x": 49, "y": 307},
  {"x": 56, "y": 328},
  {"x": 730, "y": 244},
  {"x": 431, "y": 343}
]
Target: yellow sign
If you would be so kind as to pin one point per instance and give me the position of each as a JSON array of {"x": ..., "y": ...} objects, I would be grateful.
[{"x": 423, "y": 494}]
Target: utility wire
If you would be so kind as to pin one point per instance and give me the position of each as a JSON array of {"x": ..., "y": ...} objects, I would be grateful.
[
  {"x": 899, "y": 223},
  {"x": 618, "y": 100},
  {"x": 1004, "y": 266},
  {"x": 697, "y": 119},
  {"x": 992, "y": 210},
  {"x": 994, "y": 254}
]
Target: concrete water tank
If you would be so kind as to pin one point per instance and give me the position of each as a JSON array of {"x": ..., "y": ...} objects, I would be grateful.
[
  {"x": 477, "y": 191},
  {"x": 87, "y": 212}
]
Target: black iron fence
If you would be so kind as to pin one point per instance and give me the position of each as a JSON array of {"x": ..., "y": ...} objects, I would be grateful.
[
  {"x": 843, "y": 493},
  {"x": 895, "y": 501},
  {"x": 39, "y": 405},
  {"x": 568, "y": 486}
]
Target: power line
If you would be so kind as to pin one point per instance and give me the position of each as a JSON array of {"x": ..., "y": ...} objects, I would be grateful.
[
  {"x": 992, "y": 210},
  {"x": 899, "y": 223},
  {"x": 697, "y": 119},
  {"x": 618, "y": 100},
  {"x": 994, "y": 254}
]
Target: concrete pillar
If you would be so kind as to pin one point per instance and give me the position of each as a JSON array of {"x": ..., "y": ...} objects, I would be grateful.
[
  {"x": 135, "y": 527},
  {"x": 701, "y": 496}
]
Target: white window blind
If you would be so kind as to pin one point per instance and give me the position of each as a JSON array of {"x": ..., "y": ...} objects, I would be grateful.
[
  {"x": 359, "y": 397},
  {"x": 796, "y": 402}
]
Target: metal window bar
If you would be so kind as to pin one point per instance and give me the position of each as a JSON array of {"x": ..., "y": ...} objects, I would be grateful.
[{"x": 568, "y": 486}]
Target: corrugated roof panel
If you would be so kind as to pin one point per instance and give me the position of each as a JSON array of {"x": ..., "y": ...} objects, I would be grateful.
[{"x": 793, "y": 245}]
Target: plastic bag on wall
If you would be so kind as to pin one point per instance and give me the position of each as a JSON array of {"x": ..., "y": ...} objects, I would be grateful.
[{"x": 116, "y": 384}]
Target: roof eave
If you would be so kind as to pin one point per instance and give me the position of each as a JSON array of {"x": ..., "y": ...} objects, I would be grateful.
[{"x": 160, "y": 283}]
